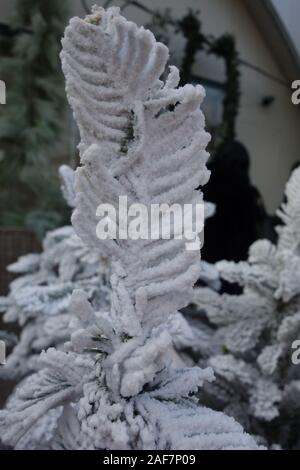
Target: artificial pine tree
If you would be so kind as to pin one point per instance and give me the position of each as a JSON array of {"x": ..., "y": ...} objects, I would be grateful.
[
  {"x": 30, "y": 124},
  {"x": 114, "y": 386},
  {"x": 39, "y": 298},
  {"x": 248, "y": 339}
]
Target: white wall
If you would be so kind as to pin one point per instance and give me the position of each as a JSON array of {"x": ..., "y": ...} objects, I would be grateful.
[{"x": 271, "y": 135}]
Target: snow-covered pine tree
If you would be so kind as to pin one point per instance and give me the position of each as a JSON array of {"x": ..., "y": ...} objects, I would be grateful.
[
  {"x": 39, "y": 298},
  {"x": 114, "y": 387},
  {"x": 251, "y": 336}
]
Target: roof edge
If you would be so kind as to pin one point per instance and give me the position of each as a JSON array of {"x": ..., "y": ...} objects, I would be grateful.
[{"x": 272, "y": 28}]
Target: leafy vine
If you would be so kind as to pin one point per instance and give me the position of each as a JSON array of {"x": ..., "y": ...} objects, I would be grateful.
[{"x": 223, "y": 47}]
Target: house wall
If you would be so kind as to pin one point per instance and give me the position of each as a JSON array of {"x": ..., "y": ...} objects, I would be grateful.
[{"x": 272, "y": 134}]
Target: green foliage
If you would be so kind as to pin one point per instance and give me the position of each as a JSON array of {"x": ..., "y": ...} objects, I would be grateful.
[
  {"x": 224, "y": 47},
  {"x": 30, "y": 122},
  {"x": 190, "y": 26}
]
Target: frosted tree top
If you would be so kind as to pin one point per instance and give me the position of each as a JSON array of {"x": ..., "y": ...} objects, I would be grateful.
[{"x": 140, "y": 137}]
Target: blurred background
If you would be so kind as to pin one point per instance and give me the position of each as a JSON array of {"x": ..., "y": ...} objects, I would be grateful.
[{"x": 245, "y": 52}]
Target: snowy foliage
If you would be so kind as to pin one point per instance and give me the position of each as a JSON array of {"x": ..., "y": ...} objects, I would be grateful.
[
  {"x": 115, "y": 386},
  {"x": 39, "y": 299},
  {"x": 252, "y": 334}
]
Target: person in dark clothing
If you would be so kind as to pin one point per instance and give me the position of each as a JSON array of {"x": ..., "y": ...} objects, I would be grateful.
[{"x": 241, "y": 217}]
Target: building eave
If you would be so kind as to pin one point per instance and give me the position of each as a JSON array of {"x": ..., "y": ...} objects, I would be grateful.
[{"x": 275, "y": 34}]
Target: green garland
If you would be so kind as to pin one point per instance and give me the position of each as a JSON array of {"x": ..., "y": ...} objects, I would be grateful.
[
  {"x": 224, "y": 47},
  {"x": 190, "y": 27}
]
